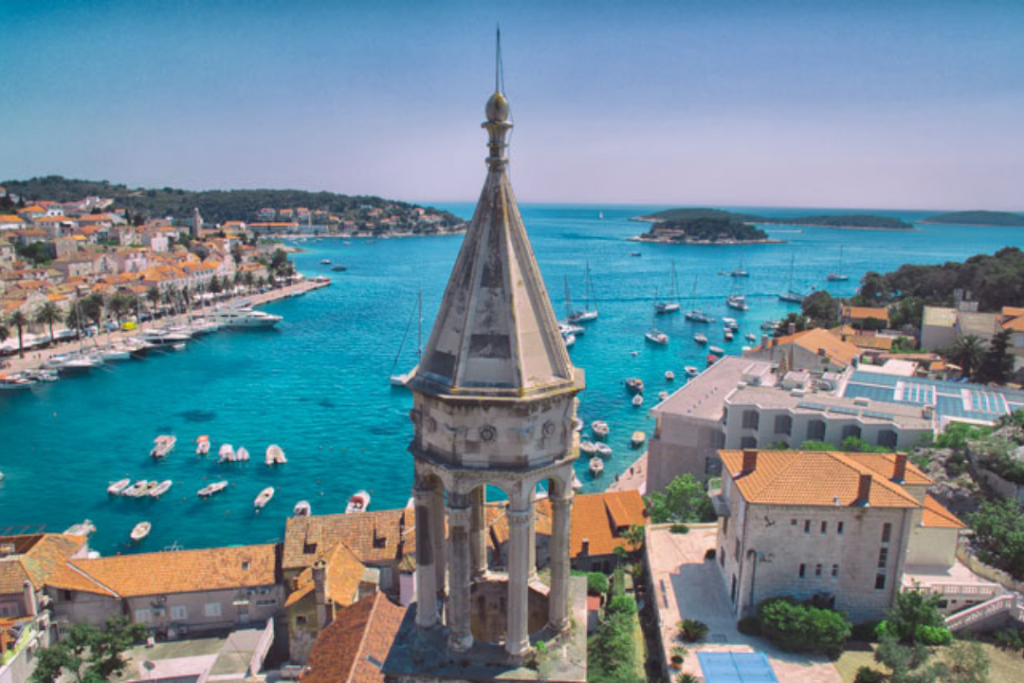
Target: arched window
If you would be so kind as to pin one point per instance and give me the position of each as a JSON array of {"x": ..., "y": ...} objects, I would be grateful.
[{"x": 816, "y": 430}]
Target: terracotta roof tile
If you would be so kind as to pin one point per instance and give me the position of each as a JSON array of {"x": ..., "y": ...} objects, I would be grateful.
[
  {"x": 352, "y": 649},
  {"x": 36, "y": 557},
  {"x": 885, "y": 465},
  {"x": 866, "y": 313},
  {"x": 374, "y": 536},
  {"x": 817, "y": 339},
  {"x": 936, "y": 516},
  {"x": 344, "y": 573}
]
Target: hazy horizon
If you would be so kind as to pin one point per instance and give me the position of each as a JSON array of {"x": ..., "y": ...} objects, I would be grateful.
[{"x": 736, "y": 103}]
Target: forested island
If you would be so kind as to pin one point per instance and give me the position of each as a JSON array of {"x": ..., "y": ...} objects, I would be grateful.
[
  {"x": 705, "y": 230},
  {"x": 994, "y": 218},
  {"x": 346, "y": 213},
  {"x": 851, "y": 221}
]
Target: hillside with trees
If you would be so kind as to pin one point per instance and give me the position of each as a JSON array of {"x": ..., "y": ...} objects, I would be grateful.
[
  {"x": 852, "y": 221},
  {"x": 995, "y": 218},
  {"x": 704, "y": 231}
]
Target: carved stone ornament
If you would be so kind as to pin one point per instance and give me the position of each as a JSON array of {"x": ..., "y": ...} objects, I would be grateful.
[
  {"x": 487, "y": 433},
  {"x": 549, "y": 428}
]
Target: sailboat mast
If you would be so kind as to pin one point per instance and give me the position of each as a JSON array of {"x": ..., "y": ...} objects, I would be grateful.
[
  {"x": 568, "y": 301},
  {"x": 419, "y": 328},
  {"x": 588, "y": 290}
]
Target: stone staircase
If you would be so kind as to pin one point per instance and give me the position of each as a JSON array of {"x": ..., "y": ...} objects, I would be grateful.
[{"x": 1008, "y": 605}]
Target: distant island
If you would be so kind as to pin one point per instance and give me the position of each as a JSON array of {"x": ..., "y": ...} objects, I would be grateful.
[
  {"x": 704, "y": 230},
  {"x": 277, "y": 211},
  {"x": 850, "y": 222},
  {"x": 996, "y": 218}
]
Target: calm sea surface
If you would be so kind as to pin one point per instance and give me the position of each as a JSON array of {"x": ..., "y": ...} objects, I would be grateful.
[{"x": 318, "y": 384}]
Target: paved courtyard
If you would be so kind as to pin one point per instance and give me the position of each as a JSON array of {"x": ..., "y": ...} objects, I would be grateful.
[{"x": 688, "y": 586}]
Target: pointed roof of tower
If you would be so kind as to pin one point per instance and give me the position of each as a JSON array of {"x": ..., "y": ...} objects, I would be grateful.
[{"x": 495, "y": 334}]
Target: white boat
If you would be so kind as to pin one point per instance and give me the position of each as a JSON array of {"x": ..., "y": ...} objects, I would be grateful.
[
  {"x": 728, "y": 335},
  {"x": 359, "y": 502},
  {"x": 769, "y": 325},
  {"x": 839, "y": 276},
  {"x": 603, "y": 449},
  {"x": 791, "y": 296},
  {"x": 242, "y": 318},
  {"x": 587, "y": 314},
  {"x": 751, "y": 337},
  {"x": 203, "y": 445},
  {"x": 137, "y": 489},
  {"x": 657, "y": 337},
  {"x": 325, "y": 261},
  {"x": 400, "y": 380},
  {"x": 638, "y": 439},
  {"x": 180, "y": 346},
  {"x": 226, "y": 453},
  {"x": 635, "y": 385},
  {"x": 570, "y": 339},
  {"x": 691, "y": 371},
  {"x": 670, "y": 376},
  {"x": 84, "y": 528},
  {"x": 213, "y": 488},
  {"x": 700, "y": 338},
  {"x": 117, "y": 488},
  {"x": 600, "y": 428},
  {"x": 242, "y": 454},
  {"x": 160, "y": 489},
  {"x": 672, "y": 305},
  {"x": 730, "y": 323},
  {"x": 41, "y": 375},
  {"x": 302, "y": 509},
  {"x": 588, "y": 447},
  {"x": 716, "y": 350},
  {"x": 662, "y": 395},
  {"x": 638, "y": 401},
  {"x": 274, "y": 455},
  {"x": 596, "y": 467},
  {"x": 738, "y": 302},
  {"x": 73, "y": 363},
  {"x": 264, "y": 498},
  {"x": 739, "y": 271},
  {"x": 569, "y": 328},
  {"x": 140, "y": 531},
  {"x": 158, "y": 338},
  {"x": 163, "y": 445},
  {"x": 577, "y": 485},
  {"x": 115, "y": 352},
  {"x": 577, "y": 425},
  {"x": 15, "y": 382}
]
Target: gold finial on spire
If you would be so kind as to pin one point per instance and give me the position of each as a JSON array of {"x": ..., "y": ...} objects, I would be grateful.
[{"x": 497, "y": 109}]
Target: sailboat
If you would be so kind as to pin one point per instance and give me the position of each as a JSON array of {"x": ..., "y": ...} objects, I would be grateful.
[
  {"x": 672, "y": 305},
  {"x": 403, "y": 379},
  {"x": 600, "y": 215},
  {"x": 586, "y": 315},
  {"x": 838, "y": 277},
  {"x": 791, "y": 296},
  {"x": 695, "y": 314},
  {"x": 739, "y": 272}
]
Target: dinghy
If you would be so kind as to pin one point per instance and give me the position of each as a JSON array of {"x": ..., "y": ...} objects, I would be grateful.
[
  {"x": 226, "y": 453},
  {"x": 274, "y": 455},
  {"x": 211, "y": 489},
  {"x": 140, "y": 531},
  {"x": 596, "y": 467},
  {"x": 202, "y": 445},
  {"x": 358, "y": 502},
  {"x": 264, "y": 498},
  {"x": 118, "y": 487},
  {"x": 160, "y": 489},
  {"x": 302, "y": 509}
]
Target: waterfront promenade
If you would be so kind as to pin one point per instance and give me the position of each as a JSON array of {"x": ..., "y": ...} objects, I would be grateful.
[{"x": 35, "y": 358}]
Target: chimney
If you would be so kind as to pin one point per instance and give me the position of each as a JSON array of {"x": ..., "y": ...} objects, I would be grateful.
[
  {"x": 864, "y": 490},
  {"x": 749, "y": 460},
  {"x": 585, "y": 551},
  {"x": 900, "y": 470},
  {"x": 320, "y": 591},
  {"x": 791, "y": 328},
  {"x": 30, "y": 599}
]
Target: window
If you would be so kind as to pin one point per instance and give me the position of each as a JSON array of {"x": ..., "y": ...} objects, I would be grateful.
[
  {"x": 300, "y": 620},
  {"x": 725, "y": 526},
  {"x": 817, "y": 570},
  {"x": 751, "y": 419},
  {"x": 886, "y": 532},
  {"x": 792, "y": 522},
  {"x": 816, "y": 430},
  {"x": 839, "y": 528},
  {"x": 835, "y": 571},
  {"x": 883, "y": 557},
  {"x": 879, "y": 581},
  {"x": 783, "y": 424},
  {"x": 824, "y": 528},
  {"x": 143, "y": 616},
  {"x": 748, "y": 442},
  {"x": 851, "y": 430},
  {"x": 66, "y": 595},
  {"x": 732, "y": 593},
  {"x": 887, "y": 438},
  {"x": 212, "y": 609},
  {"x": 807, "y": 526},
  {"x": 721, "y": 558},
  {"x": 737, "y": 547},
  {"x": 803, "y": 570}
]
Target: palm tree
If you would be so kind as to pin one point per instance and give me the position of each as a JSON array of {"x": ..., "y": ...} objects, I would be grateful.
[
  {"x": 153, "y": 297},
  {"x": 118, "y": 305},
  {"x": 967, "y": 352},
  {"x": 4, "y": 331},
  {"x": 48, "y": 314},
  {"x": 20, "y": 320},
  {"x": 247, "y": 280}
]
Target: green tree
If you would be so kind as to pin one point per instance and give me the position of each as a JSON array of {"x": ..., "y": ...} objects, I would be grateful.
[
  {"x": 20, "y": 320},
  {"x": 966, "y": 352},
  {"x": 87, "y": 654},
  {"x": 215, "y": 285},
  {"x": 907, "y": 662},
  {"x": 117, "y": 306},
  {"x": 965, "y": 663},
  {"x": 634, "y": 537},
  {"x": 4, "y": 331},
  {"x": 683, "y": 500},
  {"x": 48, "y": 314},
  {"x": 153, "y": 297},
  {"x": 614, "y": 651},
  {"x": 247, "y": 280},
  {"x": 821, "y": 308},
  {"x": 873, "y": 289},
  {"x": 996, "y": 364},
  {"x": 93, "y": 307},
  {"x": 999, "y": 535},
  {"x": 798, "y": 320},
  {"x": 911, "y": 611}
]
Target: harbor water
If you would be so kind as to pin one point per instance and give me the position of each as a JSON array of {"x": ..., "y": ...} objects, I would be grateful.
[{"x": 317, "y": 385}]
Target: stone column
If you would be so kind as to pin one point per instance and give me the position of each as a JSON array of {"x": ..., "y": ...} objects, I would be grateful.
[
  {"x": 426, "y": 578},
  {"x": 533, "y": 541},
  {"x": 460, "y": 636},
  {"x": 478, "y": 532},
  {"x": 561, "y": 523},
  {"x": 517, "y": 635},
  {"x": 437, "y": 535}
]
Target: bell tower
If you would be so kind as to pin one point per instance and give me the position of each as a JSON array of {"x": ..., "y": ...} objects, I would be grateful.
[{"x": 494, "y": 403}]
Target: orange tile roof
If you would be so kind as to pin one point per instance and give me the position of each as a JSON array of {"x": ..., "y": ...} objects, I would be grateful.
[
  {"x": 871, "y": 341},
  {"x": 811, "y": 478},
  {"x": 816, "y": 339},
  {"x": 374, "y": 536},
  {"x": 344, "y": 574},
  {"x": 37, "y": 557},
  {"x": 885, "y": 465},
  {"x": 10, "y": 218},
  {"x": 69, "y": 578},
  {"x": 184, "y": 571},
  {"x": 354, "y": 646},
  {"x": 1012, "y": 311},
  {"x": 936, "y": 516},
  {"x": 1015, "y": 324},
  {"x": 866, "y": 313}
]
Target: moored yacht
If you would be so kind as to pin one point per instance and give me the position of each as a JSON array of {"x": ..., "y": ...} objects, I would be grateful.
[
  {"x": 656, "y": 337},
  {"x": 17, "y": 381},
  {"x": 738, "y": 302},
  {"x": 242, "y": 318}
]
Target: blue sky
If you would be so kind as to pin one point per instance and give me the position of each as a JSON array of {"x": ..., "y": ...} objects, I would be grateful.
[{"x": 766, "y": 103}]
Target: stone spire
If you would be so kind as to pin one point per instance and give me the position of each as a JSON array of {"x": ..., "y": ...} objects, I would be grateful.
[{"x": 495, "y": 334}]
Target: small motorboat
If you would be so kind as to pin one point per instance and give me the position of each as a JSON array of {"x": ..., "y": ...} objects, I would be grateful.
[
  {"x": 596, "y": 467},
  {"x": 738, "y": 302},
  {"x": 41, "y": 375},
  {"x": 275, "y": 456},
  {"x": 600, "y": 429},
  {"x": 662, "y": 395},
  {"x": 180, "y": 346},
  {"x": 638, "y": 401},
  {"x": 588, "y": 447},
  {"x": 325, "y": 262},
  {"x": 242, "y": 454},
  {"x": 140, "y": 531},
  {"x": 203, "y": 445},
  {"x": 691, "y": 371},
  {"x": 211, "y": 489},
  {"x": 635, "y": 385},
  {"x": 139, "y": 488},
  {"x": 162, "y": 445},
  {"x": 751, "y": 337},
  {"x": 718, "y": 351},
  {"x": 264, "y": 498},
  {"x": 769, "y": 325},
  {"x": 118, "y": 487},
  {"x": 358, "y": 502},
  {"x": 577, "y": 485},
  {"x": 670, "y": 376},
  {"x": 570, "y": 339},
  {"x": 712, "y": 359},
  {"x": 339, "y": 268},
  {"x": 302, "y": 509},
  {"x": 638, "y": 439},
  {"x": 226, "y": 453},
  {"x": 18, "y": 381},
  {"x": 603, "y": 449},
  {"x": 728, "y": 335},
  {"x": 657, "y": 337},
  {"x": 700, "y": 338},
  {"x": 730, "y": 323},
  {"x": 84, "y": 528},
  {"x": 160, "y": 489}
]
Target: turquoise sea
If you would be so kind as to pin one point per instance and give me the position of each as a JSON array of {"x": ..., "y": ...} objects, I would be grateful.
[{"x": 318, "y": 385}]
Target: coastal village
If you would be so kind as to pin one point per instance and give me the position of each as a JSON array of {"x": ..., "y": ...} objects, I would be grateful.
[{"x": 803, "y": 511}]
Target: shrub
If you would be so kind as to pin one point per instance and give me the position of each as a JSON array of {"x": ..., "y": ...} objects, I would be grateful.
[
  {"x": 933, "y": 635},
  {"x": 597, "y": 583},
  {"x": 803, "y": 628},
  {"x": 911, "y": 610},
  {"x": 749, "y": 626},
  {"x": 618, "y": 583},
  {"x": 621, "y": 604},
  {"x": 678, "y": 655},
  {"x": 866, "y": 674},
  {"x": 679, "y": 529},
  {"x": 686, "y": 677},
  {"x": 1008, "y": 639},
  {"x": 865, "y": 631},
  {"x": 692, "y": 630}
]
